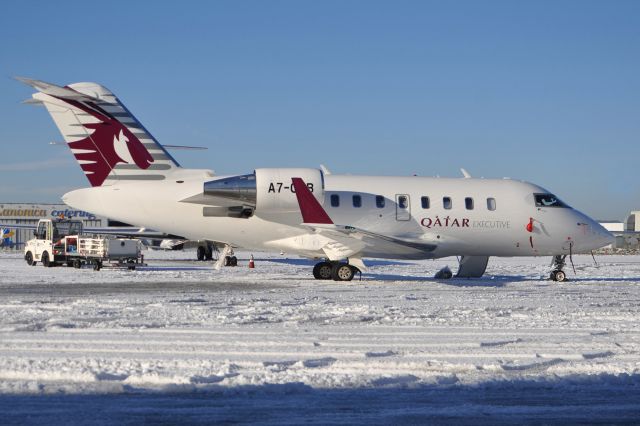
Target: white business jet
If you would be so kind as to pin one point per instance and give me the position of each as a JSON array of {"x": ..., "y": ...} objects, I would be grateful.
[{"x": 337, "y": 219}]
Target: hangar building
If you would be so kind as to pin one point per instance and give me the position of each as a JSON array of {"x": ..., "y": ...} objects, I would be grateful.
[{"x": 29, "y": 214}]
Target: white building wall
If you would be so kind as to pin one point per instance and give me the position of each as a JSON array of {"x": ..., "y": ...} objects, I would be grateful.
[
  {"x": 26, "y": 213},
  {"x": 633, "y": 222},
  {"x": 613, "y": 226}
]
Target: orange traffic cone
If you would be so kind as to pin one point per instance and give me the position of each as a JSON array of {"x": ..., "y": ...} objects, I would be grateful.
[{"x": 252, "y": 264}]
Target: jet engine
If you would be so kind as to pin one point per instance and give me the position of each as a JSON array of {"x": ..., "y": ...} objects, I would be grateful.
[{"x": 268, "y": 191}]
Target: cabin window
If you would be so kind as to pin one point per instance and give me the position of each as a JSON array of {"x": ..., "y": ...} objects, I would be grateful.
[
  {"x": 425, "y": 202},
  {"x": 403, "y": 202},
  {"x": 335, "y": 200},
  {"x": 491, "y": 204},
  {"x": 468, "y": 203},
  {"x": 357, "y": 201},
  {"x": 446, "y": 202},
  {"x": 379, "y": 201}
]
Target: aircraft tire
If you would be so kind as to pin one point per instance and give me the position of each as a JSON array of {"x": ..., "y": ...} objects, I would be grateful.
[
  {"x": 559, "y": 276},
  {"x": 342, "y": 272},
  {"x": 200, "y": 253},
  {"x": 322, "y": 271},
  {"x": 208, "y": 253}
]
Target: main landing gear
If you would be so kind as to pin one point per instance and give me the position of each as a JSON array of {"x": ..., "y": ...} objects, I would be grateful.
[
  {"x": 558, "y": 263},
  {"x": 332, "y": 270}
]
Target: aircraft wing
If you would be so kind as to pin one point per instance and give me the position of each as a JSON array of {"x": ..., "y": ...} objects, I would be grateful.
[{"x": 349, "y": 241}]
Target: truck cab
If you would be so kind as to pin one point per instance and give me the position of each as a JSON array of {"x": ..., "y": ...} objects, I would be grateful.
[{"x": 48, "y": 245}]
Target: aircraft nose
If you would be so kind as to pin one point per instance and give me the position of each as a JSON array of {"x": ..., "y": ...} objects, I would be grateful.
[{"x": 598, "y": 236}]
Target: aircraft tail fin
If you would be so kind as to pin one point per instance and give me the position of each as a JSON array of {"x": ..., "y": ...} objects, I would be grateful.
[
  {"x": 108, "y": 142},
  {"x": 312, "y": 211}
]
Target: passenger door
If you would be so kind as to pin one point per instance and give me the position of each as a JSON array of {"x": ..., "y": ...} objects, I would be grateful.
[{"x": 403, "y": 207}]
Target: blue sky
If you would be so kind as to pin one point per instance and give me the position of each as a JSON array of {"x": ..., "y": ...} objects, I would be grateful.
[{"x": 545, "y": 91}]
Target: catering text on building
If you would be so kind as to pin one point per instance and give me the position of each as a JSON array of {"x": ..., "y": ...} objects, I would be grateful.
[{"x": 23, "y": 213}]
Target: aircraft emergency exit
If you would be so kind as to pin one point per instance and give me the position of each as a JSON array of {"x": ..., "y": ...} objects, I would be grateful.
[{"x": 337, "y": 219}]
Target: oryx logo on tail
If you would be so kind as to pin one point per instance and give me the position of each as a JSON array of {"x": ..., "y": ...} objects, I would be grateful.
[{"x": 110, "y": 143}]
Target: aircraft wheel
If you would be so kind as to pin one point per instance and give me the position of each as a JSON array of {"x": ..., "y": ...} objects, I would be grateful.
[
  {"x": 444, "y": 274},
  {"x": 46, "y": 262},
  {"x": 230, "y": 261},
  {"x": 559, "y": 276},
  {"x": 208, "y": 253},
  {"x": 342, "y": 272},
  {"x": 200, "y": 253},
  {"x": 322, "y": 271},
  {"x": 29, "y": 258}
]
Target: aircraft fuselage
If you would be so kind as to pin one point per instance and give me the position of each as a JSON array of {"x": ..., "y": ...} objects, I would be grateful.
[{"x": 466, "y": 216}]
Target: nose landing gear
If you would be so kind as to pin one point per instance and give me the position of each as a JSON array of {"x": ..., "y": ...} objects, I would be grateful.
[{"x": 558, "y": 263}]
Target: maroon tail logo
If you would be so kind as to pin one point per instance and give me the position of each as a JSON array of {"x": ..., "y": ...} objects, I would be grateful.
[{"x": 109, "y": 144}]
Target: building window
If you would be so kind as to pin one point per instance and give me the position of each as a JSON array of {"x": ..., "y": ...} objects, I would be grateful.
[
  {"x": 379, "y": 201},
  {"x": 468, "y": 203},
  {"x": 425, "y": 202},
  {"x": 335, "y": 200},
  {"x": 357, "y": 201},
  {"x": 491, "y": 204},
  {"x": 446, "y": 202}
]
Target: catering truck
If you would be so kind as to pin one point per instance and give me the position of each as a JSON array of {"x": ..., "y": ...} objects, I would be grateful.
[{"x": 61, "y": 242}]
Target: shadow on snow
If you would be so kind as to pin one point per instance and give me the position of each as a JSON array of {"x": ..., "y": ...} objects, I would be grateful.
[{"x": 597, "y": 399}]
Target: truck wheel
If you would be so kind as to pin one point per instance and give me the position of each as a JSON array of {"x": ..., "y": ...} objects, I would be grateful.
[
  {"x": 29, "y": 258},
  {"x": 77, "y": 264},
  {"x": 97, "y": 265},
  {"x": 45, "y": 260}
]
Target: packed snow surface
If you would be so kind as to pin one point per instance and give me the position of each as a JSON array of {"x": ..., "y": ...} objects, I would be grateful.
[{"x": 179, "y": 341}]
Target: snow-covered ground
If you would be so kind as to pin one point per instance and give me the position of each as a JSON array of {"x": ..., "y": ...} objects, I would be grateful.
[{"x": 178, "y": 341}]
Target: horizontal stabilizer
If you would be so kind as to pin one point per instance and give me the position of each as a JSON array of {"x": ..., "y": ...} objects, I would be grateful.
[{"x": 57, "y": 91}]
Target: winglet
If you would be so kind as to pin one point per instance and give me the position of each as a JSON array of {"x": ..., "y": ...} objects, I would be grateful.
[{"x": 312, "y": 211}]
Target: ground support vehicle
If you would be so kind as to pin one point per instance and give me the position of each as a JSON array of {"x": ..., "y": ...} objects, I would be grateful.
[{"x": 61, "y": 242}]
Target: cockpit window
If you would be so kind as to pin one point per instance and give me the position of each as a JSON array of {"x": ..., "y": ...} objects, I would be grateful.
[{"x": 548, "y": 200}]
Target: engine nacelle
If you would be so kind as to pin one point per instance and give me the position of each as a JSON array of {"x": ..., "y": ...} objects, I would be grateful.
[
  {"x": 269, "y": 191},
  {"x": 275, "y": 192}
]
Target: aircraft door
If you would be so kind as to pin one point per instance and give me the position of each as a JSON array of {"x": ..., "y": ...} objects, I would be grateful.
[{"x": 403, "y": 207}]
